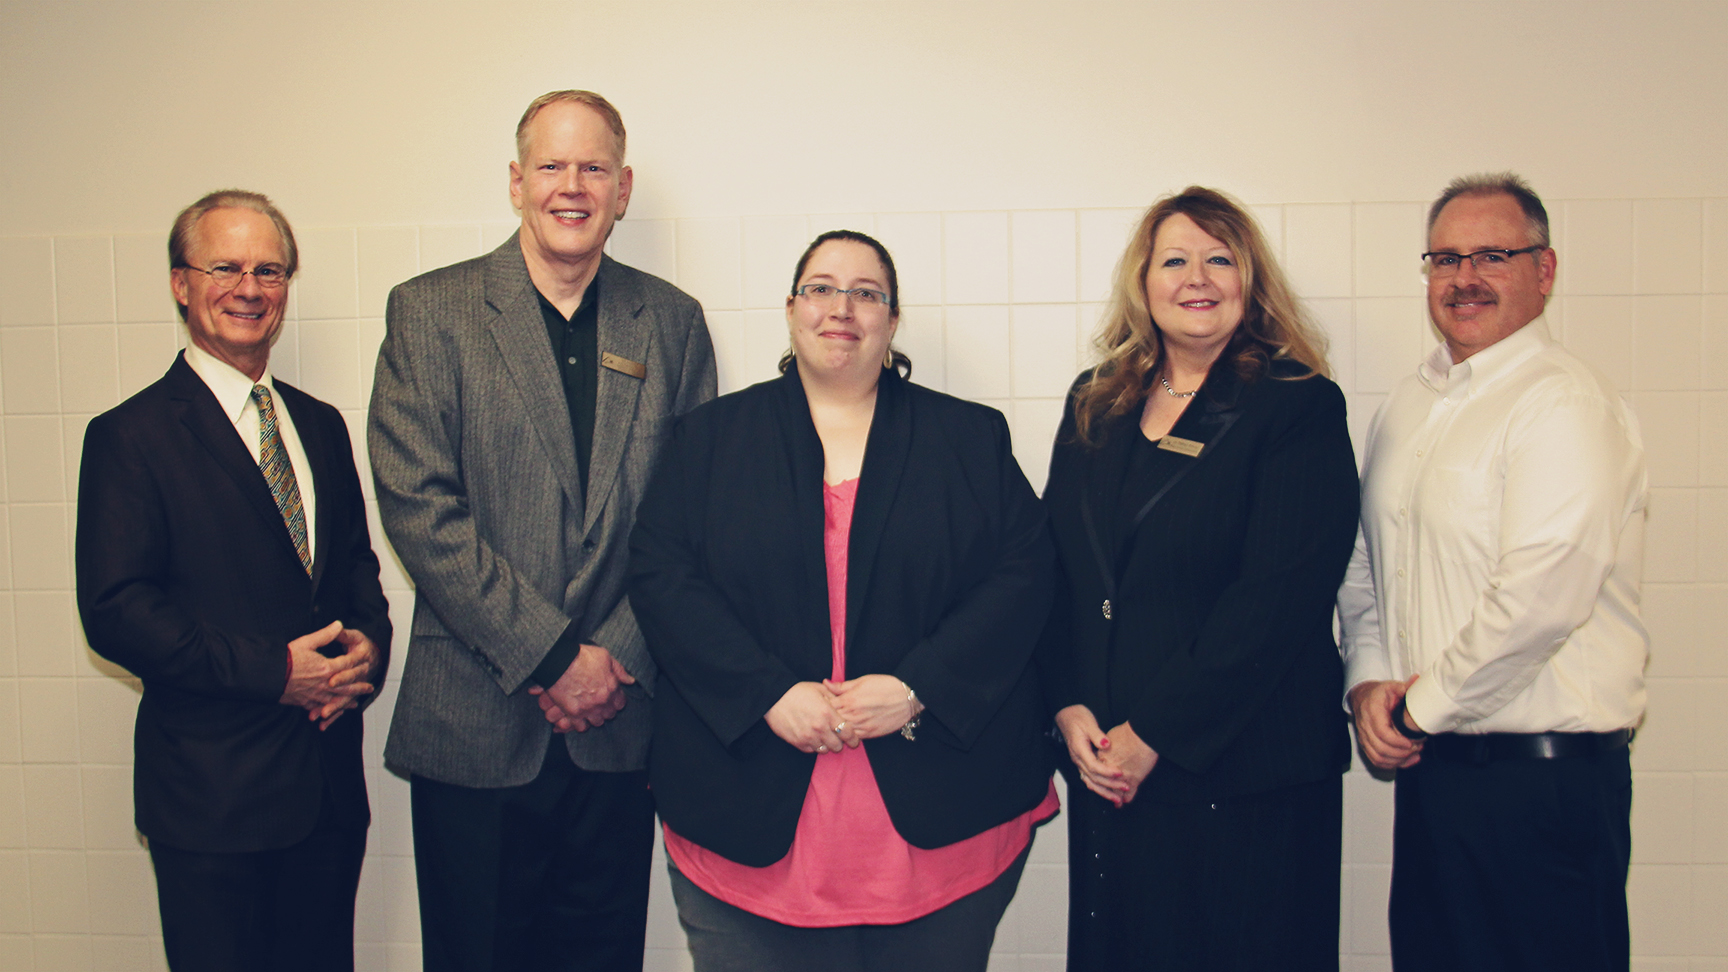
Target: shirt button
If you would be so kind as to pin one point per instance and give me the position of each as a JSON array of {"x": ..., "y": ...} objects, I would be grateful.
[
  {"x": 1418, "y": 453},
  {"x": 1445, "y": 401},
  {"x": 1401, "y": 512},
  {"x": 1400, "y": 572},
  {"x": 570, "y": 360},
  {"x": 1400, "y": 635}
]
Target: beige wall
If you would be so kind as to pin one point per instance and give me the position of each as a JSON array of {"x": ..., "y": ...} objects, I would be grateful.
[{"x": 999, "y": 149}]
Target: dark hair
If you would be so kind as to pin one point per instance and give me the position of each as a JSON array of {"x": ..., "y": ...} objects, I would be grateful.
[
  {"x": 902, "y": 363},
  {"x": 1497, "y": 184},
  {"x": 186, "y": 227}
]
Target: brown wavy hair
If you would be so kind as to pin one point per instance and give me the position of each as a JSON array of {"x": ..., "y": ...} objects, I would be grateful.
[{"x": 1274, "y": 324}]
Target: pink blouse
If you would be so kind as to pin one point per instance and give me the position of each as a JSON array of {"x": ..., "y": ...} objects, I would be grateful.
[{"x": 848, "y": 865}]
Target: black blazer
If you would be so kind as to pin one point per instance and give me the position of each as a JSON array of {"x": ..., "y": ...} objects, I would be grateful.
[
  {"x": 187, "y": 578},
  {"x": 1219, "y": 649},
  {"x": 948, "y": 583}
]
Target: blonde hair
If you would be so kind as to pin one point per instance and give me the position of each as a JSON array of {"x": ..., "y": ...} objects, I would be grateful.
[
  {"x": 185, "y": 227},
  {"x": 1274, "y": 324},
  {"x": 608, "y": 113}
]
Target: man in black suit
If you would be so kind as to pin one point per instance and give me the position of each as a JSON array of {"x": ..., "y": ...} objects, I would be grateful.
[{"x": 223, "y": 558}]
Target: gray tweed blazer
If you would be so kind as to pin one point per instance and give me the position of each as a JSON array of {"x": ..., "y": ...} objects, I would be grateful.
[{"x": 478, "y": 490}]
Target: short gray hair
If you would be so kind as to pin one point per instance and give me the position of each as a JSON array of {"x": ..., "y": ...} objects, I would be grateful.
[
  {"x": 607, "y": 113},
  {"x": 186, "y": 224},
  {"x": 1498, "y": 184}
]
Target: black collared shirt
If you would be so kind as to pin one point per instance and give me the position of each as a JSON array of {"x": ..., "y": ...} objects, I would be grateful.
[{"x": 575, "y": 349}]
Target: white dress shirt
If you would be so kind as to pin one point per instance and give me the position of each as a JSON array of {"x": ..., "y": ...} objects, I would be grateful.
[
  {"x": 1502, "y": 544},
  {"x": 233, "y": 391}
]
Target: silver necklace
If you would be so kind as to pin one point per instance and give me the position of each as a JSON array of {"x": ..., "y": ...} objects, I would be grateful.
[{"x": 1173, "y": 392}]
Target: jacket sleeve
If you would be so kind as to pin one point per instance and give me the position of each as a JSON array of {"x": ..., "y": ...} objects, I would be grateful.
[
  {"x": 123, "y": 567},
  {"x": 978, "y": 652},
  {"x": 1303, "y": 501},
  {"x": 415, "y": 439}
]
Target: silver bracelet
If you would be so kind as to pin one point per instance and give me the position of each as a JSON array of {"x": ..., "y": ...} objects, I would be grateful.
[{"x": 909, "y": 731}]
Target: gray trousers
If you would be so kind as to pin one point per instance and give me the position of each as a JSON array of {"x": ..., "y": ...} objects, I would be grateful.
[{"x": 955, "y": 938}]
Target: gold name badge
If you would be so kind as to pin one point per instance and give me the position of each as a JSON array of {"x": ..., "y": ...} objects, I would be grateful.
[
  {"x": 1187, "y": 447},
  {"x": 634, "y": 369}
]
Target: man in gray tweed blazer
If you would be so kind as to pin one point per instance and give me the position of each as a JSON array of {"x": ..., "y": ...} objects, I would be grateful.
[{"x": 520, "y": 403}]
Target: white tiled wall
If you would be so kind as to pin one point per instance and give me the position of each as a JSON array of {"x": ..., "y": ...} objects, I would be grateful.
[{"x": 999, "y": 306}]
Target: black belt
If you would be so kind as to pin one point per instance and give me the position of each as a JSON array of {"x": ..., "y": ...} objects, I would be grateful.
[{"x": 1492, "y": 746}]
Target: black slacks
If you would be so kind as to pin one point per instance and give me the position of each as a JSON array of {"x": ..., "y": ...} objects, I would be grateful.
[
  {"x": 551, "y": 875},
  {"x": 289, "y": 910},
  {"x": 1516, "y": 864}
]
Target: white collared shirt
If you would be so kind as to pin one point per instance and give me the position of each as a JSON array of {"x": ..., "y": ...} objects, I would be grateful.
[
  {"x": 233, "y": 391},
  {"x": 1502, "y": 545}
]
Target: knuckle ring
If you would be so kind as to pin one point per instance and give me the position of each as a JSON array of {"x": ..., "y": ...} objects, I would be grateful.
[{"x": 840, "y": 727}]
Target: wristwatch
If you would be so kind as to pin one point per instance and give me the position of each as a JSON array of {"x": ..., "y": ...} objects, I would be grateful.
[{"x": 1404, "y": 729}]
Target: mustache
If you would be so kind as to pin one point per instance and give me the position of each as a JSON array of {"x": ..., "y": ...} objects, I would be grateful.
[{"x": 1469, "y": 295}]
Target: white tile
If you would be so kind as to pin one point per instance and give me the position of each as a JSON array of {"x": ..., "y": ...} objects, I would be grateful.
[
  {"x": 1671, "y": 536},
  {"x": 1600, "y": 330},
  {"x": 1391, "y": 336},
  {"x": 48, "y": 720},
  {"x": 59, "y": 900},
  {"x": 1597, "y": 254},
  {"x": 1044, "y": 256},
  {"x": 494, "y": 233},
  {"x": 72, "y": 426},
  {"x": 915, "y": 241},
  {"x": 134, "y": 953},
  {"x": 975, "y": 258},
  {"x": 401, "y": 956},
  {"x": 920, "y": 338},
  {"x": 40, "y": 541},
  {"x": 1712, "y": 528},
  {"x": 1669, "y": 342},
  {"x": 26, "y": 281},
  {"x": 122, "y": 893},
  {"x": 1709, "y": 815},
  {"x": 83, "y": 280},
  {"x": 107, "y": 713},
  {"x": 1336, "y": 318},
  {"x": 765, "y": 340},
  {"x": 12, "y": 833},
  {"x": 11, "y": 748},
  {"x": 89, "y": 367},
  {"x": 1670, "y": 422},
  {"x": 1714, "y": 326},
  {"x": 1270, "y": 219},
  {"x": 1713, "y": 429},
  {"x": 1043, "y": 338},
  {"x": 5, "y": 552},
  {"x": 1370, "y": 886},
  {"x": 709, "y": 267},
  {"x": 1104, "y": 235},
  {"x": 35, "y": 467},
  {"x": 1715, "y": 248},
  {"x": 1645, "y": 963},
  {"x": 1662, "y": 818},
  {"x": 663, "y": 928},
  {"x": 1709, "y": 905},
  {"x": 1034, "y": 422},
  {"x": 976, "y": 351},
  {"x": 330, "y": 362},
  {"x": 444, "y": 244},
  {"x": 1666, "y": 739},
  {"x": 1667, "y": 257},
  {"x": 388, "y": 794},
  {"x": 326, "y": 286},
  {"x": 816, "y": 224},
  {"x": 146, "y": 352},
  {"x": 4, "y": 492},
  {"x": 14, "y": 895},
  {"x": 44, "y": 633},
  {"x": 53, "y": 807},
  {"x": 368, "y": 335},
  {"x": 386, "y": 256},
  {"x": 107, "y": 802},
  {"x": 8, "y": 642},
  {"x": 30, "y": 370},
  {"x": 772, "y": 245},
  {"x": 1317, "y": 246},
  {"x": 141, "y": 293},
  {"x": 1368, "y": 820},
  {"x": 387, "y": 903},
  {"x": 1658, "y": 927},
  {"x": 66, "y": 953},
  {"x": 1388, "y": 244},
  {"x": 649, "y": 245},
  {"x": 1043, "y": 898}
]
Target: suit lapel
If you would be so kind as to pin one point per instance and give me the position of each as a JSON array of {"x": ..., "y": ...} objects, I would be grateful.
[
  {"x": 885, "y": 453},
  {"x": 804, "y": 461},
  {"x": 317, "y": 448},
  {"x": 519, "y": 331},
  {"x": 623, "y": 331},
  {"x": 202, "y": 415}
]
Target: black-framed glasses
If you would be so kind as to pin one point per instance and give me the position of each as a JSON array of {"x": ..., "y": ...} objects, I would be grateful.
[
  {"x": 227, "y": 276},
  {"x": 828, "y": 294},
  {"x": 1488, "y": 263}
]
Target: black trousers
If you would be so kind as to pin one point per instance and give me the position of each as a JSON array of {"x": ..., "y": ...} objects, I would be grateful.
[
  {"x": 289, "y": 910},
  {"x": 1245, "y": 884},
  {"x": 1516, "y": 864},
  {"x": 551, "y": 875}
]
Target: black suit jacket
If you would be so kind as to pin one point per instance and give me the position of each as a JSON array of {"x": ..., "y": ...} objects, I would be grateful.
[
  {"x": 948, "y": 582},
  {"x": 188, "y": 579},
  {"x": 1219, "y": 650}
]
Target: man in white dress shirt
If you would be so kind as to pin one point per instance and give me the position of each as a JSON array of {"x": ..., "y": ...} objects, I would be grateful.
[{"x": 1493, "y": 648}]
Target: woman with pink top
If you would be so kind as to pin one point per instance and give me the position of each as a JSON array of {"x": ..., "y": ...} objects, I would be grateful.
[{"x": 842, "y": 576}]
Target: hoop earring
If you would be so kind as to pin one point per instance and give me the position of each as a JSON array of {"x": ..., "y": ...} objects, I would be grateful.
[{"x": 888, "y": 359}]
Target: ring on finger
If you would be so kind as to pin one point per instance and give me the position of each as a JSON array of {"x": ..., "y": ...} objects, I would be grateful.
[{"x": 821, "y": 749}]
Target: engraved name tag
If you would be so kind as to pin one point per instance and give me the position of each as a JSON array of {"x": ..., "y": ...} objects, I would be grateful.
[
  {"x": 622, "y": 365},
  {"x": 1187, "y": 447}
]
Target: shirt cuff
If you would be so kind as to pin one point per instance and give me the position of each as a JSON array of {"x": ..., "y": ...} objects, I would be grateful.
[{"x": 557, "y": 661}]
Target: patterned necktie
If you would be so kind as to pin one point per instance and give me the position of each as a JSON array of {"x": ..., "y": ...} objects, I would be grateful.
[{"x": 279, "y": 473}]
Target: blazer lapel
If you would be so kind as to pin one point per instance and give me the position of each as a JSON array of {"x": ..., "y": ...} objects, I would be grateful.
[
  {"x": 885, "y": 453},
  {"x": 804, "y": 462},
  {"x": 624, "y": 333},
  {"x": 519, "y": 330}
]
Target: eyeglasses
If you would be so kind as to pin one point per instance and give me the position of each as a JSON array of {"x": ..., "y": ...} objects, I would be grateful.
[
  {"x": 828, "y": 294},
  {"x": 227, "y": 276},
  {"x": 1488, "y": 263}
]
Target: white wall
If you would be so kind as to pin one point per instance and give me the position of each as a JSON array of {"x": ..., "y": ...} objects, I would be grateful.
[{"x": 999, "y": 149}]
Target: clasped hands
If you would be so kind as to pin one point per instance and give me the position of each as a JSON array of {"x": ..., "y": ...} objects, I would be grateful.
[
  {"x": 590, "y": 692},
  {"x": 822, "y": 717},
  {"x": 1382, "y": 744},
  {"x": 327, "y": 687},
  {"x": 1112, "y": 764}
]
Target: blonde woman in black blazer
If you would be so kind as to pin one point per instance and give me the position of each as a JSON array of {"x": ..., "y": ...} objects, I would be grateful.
[{"x": 1203, "y": 498}]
